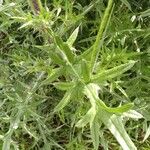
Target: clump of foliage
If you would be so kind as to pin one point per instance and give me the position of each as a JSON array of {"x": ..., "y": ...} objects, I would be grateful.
[{"x": 74, "y": 74}]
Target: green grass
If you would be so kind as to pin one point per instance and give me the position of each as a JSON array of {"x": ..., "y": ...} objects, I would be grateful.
[{"x": 74, "y": 75}]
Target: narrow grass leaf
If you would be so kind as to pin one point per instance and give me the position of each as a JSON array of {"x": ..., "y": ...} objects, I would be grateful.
[{"x": 122, "y": 90}]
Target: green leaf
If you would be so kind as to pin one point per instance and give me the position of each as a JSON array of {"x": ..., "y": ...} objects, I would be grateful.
[
  {"x": 56, "y": 58},
  {"x": 85, "y": 70},
  {"x": 100, "y": 36},
  {"x": 7, "y": 7},
  {"x": 88, "y": 117},
  {"x": 147, "y": 134},
  {"x": 64, "y": 48},
  {"x": 55, "y": 73},
  {"x": 133, "y": 114},
  {"x": 120, "y": 109},
  {"x": 122, "y": 90},
  {"x": 36, "y": 6},
  {"x": 50, "y": 49},
  {"x": 6, "y": 144},
  {"x": 112, "y": 73},
  {"x": 29, "y": 23},
  {"x": 115, "y": 125},
  {"x": 127, "y": 4},
  {"x": 91, "y": 91},
  {"x": 1, "y": 2},
  {"x": 64, "y": 85},
  {"x": 146, "y": 13},
  {"x": 103, "y": 140},
  {"x": 73, "y": 37},
  {"x": 95, "y": 133},
  {"x": 85, "y": 55},
  {"x": 64, "y": 101}
]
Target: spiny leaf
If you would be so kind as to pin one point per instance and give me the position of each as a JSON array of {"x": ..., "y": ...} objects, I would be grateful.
[
  {"x": 73, "y": 37},
  {"x": 64, "y": 48},
  {"x": 112, "y": 73},
  {"x": 64, "y": 101},
  {"x": 64, "y": 85},
  {"x": 95, "y": 133},
  {"x": 127, "y": 4},
  {"x": 56, "y": 58},
  {"x": 147, "y": 134},
  {"x": 91, "y": 91},
  {"x": 115, "y": 125},
  {"x": 120, "y": 109},
  {"x": 133, "y": 114},
  {"x": 53, "y": 76},
  {"x": 85, "y": 55},
  {"x": 86, "y": 118},
  {"x": 50, "y": 49},
  {"x": 99, "y": 38},
  {"x": 85, "y": 70}
]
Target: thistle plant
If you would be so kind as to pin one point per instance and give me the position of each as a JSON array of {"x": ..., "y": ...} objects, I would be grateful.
[{"x": 92, "y": 83}]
